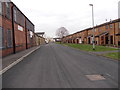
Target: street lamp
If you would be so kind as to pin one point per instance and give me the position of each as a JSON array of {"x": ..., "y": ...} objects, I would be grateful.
[{"x": 93, "y": 41}]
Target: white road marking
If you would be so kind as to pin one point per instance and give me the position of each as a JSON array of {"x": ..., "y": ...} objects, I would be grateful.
[
  {"x": 16, "y": 62},
  {"x": 108, "y": 74}
]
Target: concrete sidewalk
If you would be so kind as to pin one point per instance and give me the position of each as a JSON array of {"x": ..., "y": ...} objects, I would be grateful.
[{"x": 6, "y": 61}]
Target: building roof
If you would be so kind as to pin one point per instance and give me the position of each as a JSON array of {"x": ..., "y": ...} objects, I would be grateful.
[
  {"x": 110, "y": 22},
  {"x": 40, "y": 33},
  {"x": 104, "y": 33}
]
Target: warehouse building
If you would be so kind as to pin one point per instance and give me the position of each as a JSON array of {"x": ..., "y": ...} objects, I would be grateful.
[
  {"x": 107, "y": 34},
  {"x": 16, "y": 30}
]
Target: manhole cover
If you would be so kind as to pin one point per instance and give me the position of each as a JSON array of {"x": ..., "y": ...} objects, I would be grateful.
[{"x": 95, "y": 77}]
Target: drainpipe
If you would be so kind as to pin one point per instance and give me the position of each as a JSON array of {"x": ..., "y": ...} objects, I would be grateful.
[
  {"x": 114, "y": 34},
  {"x": 26, "y": 35},
  {"x": 13, "y": 31}
]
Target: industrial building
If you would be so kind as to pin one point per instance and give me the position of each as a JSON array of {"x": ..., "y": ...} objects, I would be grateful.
[{"x": 17, "y": 32}]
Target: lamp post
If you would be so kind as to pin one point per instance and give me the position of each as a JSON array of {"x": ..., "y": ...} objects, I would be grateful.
[{"x": 93, "y": 40}]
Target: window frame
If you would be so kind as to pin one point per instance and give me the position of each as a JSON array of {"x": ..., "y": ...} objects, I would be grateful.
[
  {"x": 99, "y": 30},
  {"x": 111, "y": 26},
  {"x": 2, "y": 38},
  {"x": 8, "y": 15},
  {"x": 15, "y": 15},
  {"x": 9, "y": 39},
  {"x": 107, "y": 26},
  {"x": 119, "y": 25},
  {"x": 1, "y": 8}
]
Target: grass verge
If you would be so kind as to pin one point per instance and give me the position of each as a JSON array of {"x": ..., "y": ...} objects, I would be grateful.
[
  {"x": 87, "y": 47},
  {"x": 114, "y": 55}
]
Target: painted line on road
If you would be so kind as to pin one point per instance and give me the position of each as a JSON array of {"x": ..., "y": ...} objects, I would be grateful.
[
  {"x": 17, "y": 61},
  {"x": 108, "y": 75}
]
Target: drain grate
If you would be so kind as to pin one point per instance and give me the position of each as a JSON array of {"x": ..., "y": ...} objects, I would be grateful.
[{"x": 95, "y": 77}]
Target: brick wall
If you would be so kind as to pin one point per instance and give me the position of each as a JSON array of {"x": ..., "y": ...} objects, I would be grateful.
[
  {"x": 105, "y": 34},
  {"x": 22, "y": 30}
]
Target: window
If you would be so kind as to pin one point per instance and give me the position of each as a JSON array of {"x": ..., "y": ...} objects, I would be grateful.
[
  {"x": 119, "y": 24},
  {"x": 106, "y": 26},
  {"x": 110, "y": 25},
  {"x": 0, "y": 8},
  {"x": 98, "y": 29},
  {"x": 8, "y": 9},
  {"x": 1, "y": 38},
  {"x": 9, "y": 38},
  {"x": 22, "y": 20},
  {"x": 15, "y": 15},
  {"x": 95, "y": 30}
]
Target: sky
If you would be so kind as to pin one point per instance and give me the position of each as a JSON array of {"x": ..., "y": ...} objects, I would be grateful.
[{"x": 74, "y": 15}]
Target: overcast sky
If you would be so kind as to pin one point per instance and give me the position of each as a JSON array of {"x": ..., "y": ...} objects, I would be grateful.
[{"x": 74, "y": 15}]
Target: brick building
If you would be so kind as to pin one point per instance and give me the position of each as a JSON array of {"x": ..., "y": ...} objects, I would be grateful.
[
  {"x": 16, "y": 30},
  {"x": 39, "y": 39},
  {"x": 107, "y": 34}
]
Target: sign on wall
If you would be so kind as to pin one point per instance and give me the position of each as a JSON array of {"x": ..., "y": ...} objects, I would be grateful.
[
  {"x": 20, "y": 28},
  {"x": 31, "y": 34}
]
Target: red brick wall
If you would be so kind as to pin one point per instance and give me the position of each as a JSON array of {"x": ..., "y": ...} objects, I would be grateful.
[
  {"x": 6, "y": 24},
  {"x": 101, "y": 34},
  {"x": 20, "y": 36}
]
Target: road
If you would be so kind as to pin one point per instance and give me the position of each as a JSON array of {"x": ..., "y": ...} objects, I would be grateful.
[{"x": 57, "y": 66}]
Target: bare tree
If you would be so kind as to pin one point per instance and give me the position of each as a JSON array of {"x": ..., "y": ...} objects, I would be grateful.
[
  {"x": 49, "y": 39},
  {"x": 61, "y": 32}
]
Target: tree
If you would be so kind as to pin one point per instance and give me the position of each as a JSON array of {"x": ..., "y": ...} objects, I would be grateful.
[
  {"x": 49, "y": 39},
  {"x": 61, "y": 32}
]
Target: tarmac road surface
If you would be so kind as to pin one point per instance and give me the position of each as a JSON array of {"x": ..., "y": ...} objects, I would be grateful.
[{"x": 57, "y": 66}]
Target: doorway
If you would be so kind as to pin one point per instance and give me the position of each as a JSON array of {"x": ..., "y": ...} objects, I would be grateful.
[
  {"x": 89, "y": 40},
  {"x": 107, "y": 39}
]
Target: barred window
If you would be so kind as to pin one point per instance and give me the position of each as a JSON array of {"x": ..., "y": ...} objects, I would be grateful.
[
  {"x": 8, "y": 9},
  {"x": 22, "y": 20},
  {"x": 1, "y": 38},
  {"x": 9, "y": 38},
  {"x": 29, "y": 25},
  {"x": 0, "y": 8},
  {"x": 15, "y": 15}
]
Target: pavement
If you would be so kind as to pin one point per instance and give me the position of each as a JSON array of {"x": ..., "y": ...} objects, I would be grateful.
[
  {"x": 6, "y": 61},
  {"x": 57, "y": 66}
]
